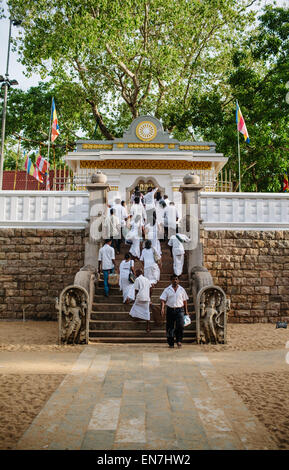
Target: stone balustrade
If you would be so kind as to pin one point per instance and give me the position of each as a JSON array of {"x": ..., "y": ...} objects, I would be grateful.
[{"x": 69, "y": 209}]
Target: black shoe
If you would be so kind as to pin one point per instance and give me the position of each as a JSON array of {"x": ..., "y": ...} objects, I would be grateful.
[
  {"x": 171, "y": 346},
  {"x": 179, "y": 345}
]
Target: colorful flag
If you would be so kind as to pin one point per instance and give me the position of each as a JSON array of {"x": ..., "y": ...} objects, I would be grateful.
[
  {"x": 55, "y": 126},
  {"x": 31, "y": 170},
  {"x": 29, "y": 167},
  {"x": 42, "y": 164},
  {"x": 285, "y": 184},
  {"x": 38, "y": 175},
  {"x": 241, "y": 126}
]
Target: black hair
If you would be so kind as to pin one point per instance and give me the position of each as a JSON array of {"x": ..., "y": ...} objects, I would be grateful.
[
  {"x": 136, "y": 200},
  {"x": 158, "y": 196},
  {"x": 148, "y": 244},
  {"x": 174, "y": 276},
  {"x": 112, "y": 211},
  {"x": 127, "y": 256},
  {"x": 136, "y": 189},
  {"x": 122, "y": 203}
]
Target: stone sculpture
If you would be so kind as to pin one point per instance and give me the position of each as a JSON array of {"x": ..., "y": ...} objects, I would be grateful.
[
  {"x": 212, "y": 315},
  {"x": 73, "y": 315}
]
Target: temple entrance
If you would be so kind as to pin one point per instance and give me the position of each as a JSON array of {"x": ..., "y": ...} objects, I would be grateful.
[{"x": 143, "y": 183}]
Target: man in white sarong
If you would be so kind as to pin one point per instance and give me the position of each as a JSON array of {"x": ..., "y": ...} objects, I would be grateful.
[
  {"x": 151, "y": 268},
  {"x": 176, "y": 244},
  {"x": 141, "y": 306}
]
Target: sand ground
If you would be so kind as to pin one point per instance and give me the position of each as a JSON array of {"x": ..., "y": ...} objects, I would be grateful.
[{"x": 32, "y": 365}]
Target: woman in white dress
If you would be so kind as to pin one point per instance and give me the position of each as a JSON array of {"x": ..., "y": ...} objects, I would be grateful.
[
  {"x": 151, "y": 268},
  {"x": 135, "y": 236},
  {"x": 125, "y": 285},
  {"x": 152, "y": 234}
]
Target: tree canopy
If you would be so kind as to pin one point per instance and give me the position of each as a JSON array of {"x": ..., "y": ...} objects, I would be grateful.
[{"x": 185, "y": 62}]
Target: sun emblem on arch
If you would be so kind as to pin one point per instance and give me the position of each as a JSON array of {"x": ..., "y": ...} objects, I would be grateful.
[{"x": 146, "y": 131}]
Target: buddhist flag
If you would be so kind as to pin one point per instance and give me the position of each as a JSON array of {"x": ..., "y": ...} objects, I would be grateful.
[
  {"x": 31, "y": 170},
  {"x": 285, "y": 184},
  {"x": 55, "y": 126},
  {"x": 241, "y": 126},
  {"x": 42, "y": 164}
]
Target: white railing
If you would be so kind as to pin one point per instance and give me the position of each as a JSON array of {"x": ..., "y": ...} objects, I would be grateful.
[
  {"x": 245, "y": 211},
  {"x": 219, "y": 211},
  {"x": 41, "y": 209}
]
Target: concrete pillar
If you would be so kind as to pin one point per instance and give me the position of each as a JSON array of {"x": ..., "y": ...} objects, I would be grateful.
[
  {"x": 97, "y": 206},
  {"x": 191, "y": 223}
]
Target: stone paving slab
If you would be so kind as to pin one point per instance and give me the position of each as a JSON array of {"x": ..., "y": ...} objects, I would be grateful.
[{"x": 144, "y": 400}]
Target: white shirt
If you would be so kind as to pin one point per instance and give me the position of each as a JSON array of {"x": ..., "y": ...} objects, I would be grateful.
[
  {"x": 126, "y": 266},
  {"x": 121, "y": 213},
  {"x": 149, "y": 199},
  {"x": 177, "y": 245},
  {"x": 147, "y": 256},
  {"x": 137, "y": 209},
  {"x": 170, "y": 216},
  {"x": 106, "y": 255},
  {"x": 174, "y": 299},
  {"x": 142, "y": 284}
]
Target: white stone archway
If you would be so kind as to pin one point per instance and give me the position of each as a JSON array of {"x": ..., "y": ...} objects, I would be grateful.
[{"x": 145, "y": 180}]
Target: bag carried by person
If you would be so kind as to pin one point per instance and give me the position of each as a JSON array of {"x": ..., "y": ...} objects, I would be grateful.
[
  {"x": 131, "y": 276},
  {"x": 187, "y": 320},
  {"x": 113, "y": 279}
]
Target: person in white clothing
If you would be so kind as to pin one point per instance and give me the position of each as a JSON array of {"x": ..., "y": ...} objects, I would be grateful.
[
  {"x": 137, "y": 208},
  {"x": 152, "y": 233},
  {"x": 176, "y": 244},
  {"x": 171, "y": 217},
  {"x": 151, "y": 268},
  {"x": 121, "y": 213},
  {"x": 149, "y": 202},
  {"x": 135, "y": 236},
  {"x": 176, "y": 300},
  {"x": 127, "y": 287},
  {"x": 106, "y": 263},
  {"x": 141, "y": 306}
]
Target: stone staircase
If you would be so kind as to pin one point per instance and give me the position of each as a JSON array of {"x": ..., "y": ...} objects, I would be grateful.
[{"x": 110, "y": 321}]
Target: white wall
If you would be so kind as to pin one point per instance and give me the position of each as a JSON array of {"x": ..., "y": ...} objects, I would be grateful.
[{"x": 219, "y": 211}]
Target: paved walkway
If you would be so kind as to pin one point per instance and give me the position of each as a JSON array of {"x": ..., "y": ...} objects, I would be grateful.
[{"x": 173, "y": 399}]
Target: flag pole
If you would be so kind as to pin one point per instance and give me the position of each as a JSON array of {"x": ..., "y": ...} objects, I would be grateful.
[
  {"x": 49, "y": 134},
  {"x": 238, "y": 139}
]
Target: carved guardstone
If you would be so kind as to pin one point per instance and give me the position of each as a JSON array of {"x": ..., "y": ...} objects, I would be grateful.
[{"x": 73, "y": 315}]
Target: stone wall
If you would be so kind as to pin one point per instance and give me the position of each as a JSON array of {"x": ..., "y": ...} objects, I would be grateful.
[
  {"x": 35, "y": 265},
  {"x": 253, "y": 269}
]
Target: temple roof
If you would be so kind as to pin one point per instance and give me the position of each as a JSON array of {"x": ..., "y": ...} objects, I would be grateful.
[{"x": 145, "y": 132}]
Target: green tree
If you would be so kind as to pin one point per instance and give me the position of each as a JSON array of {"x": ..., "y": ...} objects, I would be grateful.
[
  {"x": 133, "y": 57},
  {"x": 258, "y": 81}
]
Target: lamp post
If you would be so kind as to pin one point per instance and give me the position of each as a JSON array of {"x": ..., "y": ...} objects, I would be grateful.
[{"x": 6, "y": 83}]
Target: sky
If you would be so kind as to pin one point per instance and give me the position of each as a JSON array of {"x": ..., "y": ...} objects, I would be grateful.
[{"x": 16, "y": 70}]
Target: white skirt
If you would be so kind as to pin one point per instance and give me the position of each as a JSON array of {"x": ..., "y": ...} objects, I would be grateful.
[
  {"x": 178, "y": 264},
  {"x": 127, "y": 288},
  {"x": 152, "y": 273},
  {"x": 135, "y": 248},
  {"x": 140, "y": 310}
]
